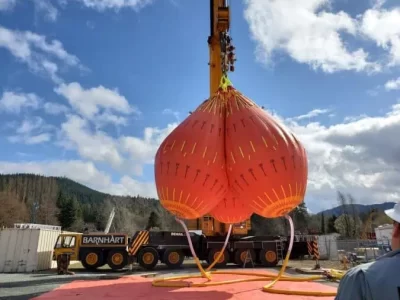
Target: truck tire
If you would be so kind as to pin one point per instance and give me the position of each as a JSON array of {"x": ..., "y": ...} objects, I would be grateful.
[
  {"x": 240, "y": 256},
  {"x": 92, "y": 259},
  {"x": 117, "y": 259},
  {"x": 173, "y": 258},
  {"x": 268, "y": 258},
  {"x": 148, "y": 258},
  {"x": 212, "y": 255}
]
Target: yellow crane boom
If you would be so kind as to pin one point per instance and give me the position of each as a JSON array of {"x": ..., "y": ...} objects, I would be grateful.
[
  {"x": 222, "y": 60},
  {"x": 219, "y": 26}
]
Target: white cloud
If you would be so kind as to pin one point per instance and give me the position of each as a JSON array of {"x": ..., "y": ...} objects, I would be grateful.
[
  {"x": 47, "y": 8},
  {"x": 97, "y": 103},
  {"x": 102, "y": 5},
  {"x": 124, "y": 154},
  {"x": 310, "y": 33},
  {"x": 7, "y": 5},
  {"x": 312, "y": 114},
  {"x": 30, "y": 140},
  {"x": 393, "y": 84},
  {"x": 169, "y": 111},
  {"x": 41, "y": 7},
  {"x": 40, "y": 55},
  {"x": 307, "y": 31},
  {"x": 96, "y": 146},
  {"x": 53, "y": 108},
  {"x": 378, "y": 3},
  {"x": 144, "y": 149},
  {"x": 14, "y": 102},
  {"x": 383, "y": 26},
  {"x": 27, "y": 126},
  {"x": 32, "y": 131},
  {"x": 107, "y": 117},
  {"x": 360, "y": 157}
]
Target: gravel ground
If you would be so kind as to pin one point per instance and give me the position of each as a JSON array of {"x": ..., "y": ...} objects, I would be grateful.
[
  {"x": 326, "y": 264},
  {"x": 28, "y": 286}
]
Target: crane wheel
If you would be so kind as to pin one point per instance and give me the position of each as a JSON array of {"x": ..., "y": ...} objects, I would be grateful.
[
  {"x": 173, "y": 258},
  {"x": 213, "y": 254},
  {"x": 117, "y": 259},
  {"x": 148, "y": 258},
  {"x": 240, "y": 256},
  {"x": 268, "y": 258},
  {"x": 92, "y": 259}
]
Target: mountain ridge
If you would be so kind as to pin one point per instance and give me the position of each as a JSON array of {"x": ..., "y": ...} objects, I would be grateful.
[{"x": 358, "y": 208}]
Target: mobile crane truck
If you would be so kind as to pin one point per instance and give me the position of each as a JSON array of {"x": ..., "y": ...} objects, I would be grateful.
[{"x": 150, "y": 247}]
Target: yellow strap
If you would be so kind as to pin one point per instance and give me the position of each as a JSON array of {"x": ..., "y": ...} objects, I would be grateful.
[{"x": 225, "y": 82}]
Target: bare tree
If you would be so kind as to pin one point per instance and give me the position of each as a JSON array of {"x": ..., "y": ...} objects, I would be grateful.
[
  {"x": 341, "y": 226},
  {"x": 354, "y": 214},
  {"x": 345, "y": 212},
  {"x": 12, "y": 210}
]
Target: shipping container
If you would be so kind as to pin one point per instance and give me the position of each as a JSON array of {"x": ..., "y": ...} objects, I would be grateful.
[
  {"x": 384, "y": 233},
  {"x": 328, "y": 247},
  {"x": 26, "y": 250}
]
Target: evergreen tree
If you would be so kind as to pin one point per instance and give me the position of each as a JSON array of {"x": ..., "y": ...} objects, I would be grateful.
[
  {"x": 68, "y": 211},
  {"x": 323, "y": 223},
  {"x": 300, "y": 217},
  {"x": 154, "y": 221},
  {"x": 331, "y": 224}
]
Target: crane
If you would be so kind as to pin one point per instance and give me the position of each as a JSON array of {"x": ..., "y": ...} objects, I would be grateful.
[{"x": 222, "y": 59}]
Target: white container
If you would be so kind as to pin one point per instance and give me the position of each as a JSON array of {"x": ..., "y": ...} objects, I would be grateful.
[
  {"x": 384, "y": 234},
  {"x": 327, "y": 246},
  {"x": 26, "y": 250},
  {"x": 36, "y": 226}
]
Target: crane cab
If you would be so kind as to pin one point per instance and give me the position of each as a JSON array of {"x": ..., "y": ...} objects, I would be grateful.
[{"x": 211, "y": 227}]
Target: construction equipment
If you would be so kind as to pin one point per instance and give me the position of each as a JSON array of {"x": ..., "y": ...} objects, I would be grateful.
[
  {"x": 211, "y": 227},
  {"x": 94, "y": 250},
  {"x": 171, "y": 248},
  {"x": 222, "y": 59},
  {"x": 148, "y": 248}
]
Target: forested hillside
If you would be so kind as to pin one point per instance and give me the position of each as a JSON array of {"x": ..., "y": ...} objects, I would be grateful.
[
  {"x": 61, "y": 201},
  {"x": 55, "y": 200}
]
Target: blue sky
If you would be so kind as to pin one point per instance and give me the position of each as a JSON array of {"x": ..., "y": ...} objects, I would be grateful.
[{"x": 88, "y": 89}]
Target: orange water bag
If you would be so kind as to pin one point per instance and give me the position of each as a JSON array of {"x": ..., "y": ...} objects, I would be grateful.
[
  {"x": 190, "y": 172},
  {"x": 266, "y": 164},
  {"x": 232, "y": 209}
]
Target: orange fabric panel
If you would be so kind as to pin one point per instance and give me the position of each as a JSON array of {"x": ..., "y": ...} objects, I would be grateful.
[
  {"x": 266, "y": 164},
  {"x": 190, "y": 169},
  {"x": 230, "y": 158},
  {"x": 136, "y": 287},
  {"x": 232, "y": 209}
]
